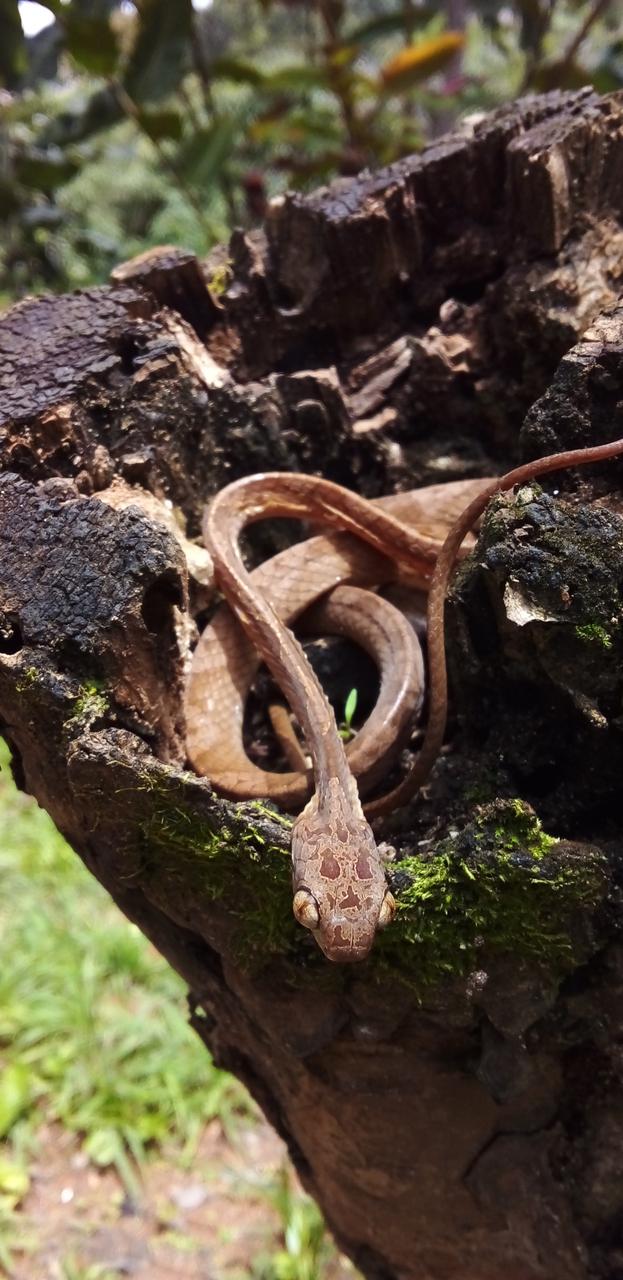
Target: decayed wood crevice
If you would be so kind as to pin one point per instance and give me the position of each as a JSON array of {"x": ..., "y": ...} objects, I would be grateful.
[{"x": 454, "y": 1104}]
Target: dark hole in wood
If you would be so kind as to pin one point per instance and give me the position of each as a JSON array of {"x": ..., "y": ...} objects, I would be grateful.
[
  {"x": 11, "y": 638},
  {"x": 159, "y": 600},
  {"x": 128, "y": 350},
  {"x": 340, "y": 666}
]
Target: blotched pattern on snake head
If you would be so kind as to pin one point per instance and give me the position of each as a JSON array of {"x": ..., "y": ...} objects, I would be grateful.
[{"x": 340, "y": 891}]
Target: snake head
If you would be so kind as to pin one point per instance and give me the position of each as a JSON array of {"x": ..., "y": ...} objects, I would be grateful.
[{"x": 341, "y": 894}]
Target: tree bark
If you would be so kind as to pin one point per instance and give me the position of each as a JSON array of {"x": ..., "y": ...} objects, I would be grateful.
[{"x": 455, "y": 1104}]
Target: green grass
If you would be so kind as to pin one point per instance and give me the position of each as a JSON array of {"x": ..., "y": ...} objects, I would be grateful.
[
  {"x": 93, "y": 1030},
  {"x": 93, "y": 1036},
  {"x": 72, "y": 1270},
  {"x": 306, "y": 1250}
]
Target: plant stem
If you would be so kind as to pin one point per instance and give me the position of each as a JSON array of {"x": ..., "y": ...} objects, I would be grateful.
[
  {"x": 331, "y": 15},
  {"x": 533, "y": 55},
  {"x": 131, "y": 110},
  {"x": 593, "y": 14},
  {"x": 203, "y": 75}
]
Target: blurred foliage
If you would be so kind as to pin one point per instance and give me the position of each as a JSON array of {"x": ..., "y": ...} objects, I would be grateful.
[
  {"x": 80, "y": 976},
  {"x": 129, "y": 124},
  {"x": 95, "y": 1046}
]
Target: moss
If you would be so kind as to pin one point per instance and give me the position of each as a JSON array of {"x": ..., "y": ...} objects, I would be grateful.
[
  {"x": 270, "y": 811},
  {"x": 238, "y": 866},
  {"x": 221, "y": 278},
  {"x": 90, "y": 703},
  {"x": 28, "y": 678},
  {"x": 593, "y": 633},
  {"x": 501, "y": 885},
  {"x": 515, "y": 827}
]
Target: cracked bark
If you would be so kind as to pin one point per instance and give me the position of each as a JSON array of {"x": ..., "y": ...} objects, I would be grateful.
[{"x": 440, "y": 318}]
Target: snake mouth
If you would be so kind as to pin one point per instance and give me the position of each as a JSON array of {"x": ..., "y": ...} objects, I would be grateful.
[
  {"x": 342, "y": 942},
  {"x": 343, "y": 953},
  {"x": 336, "y": 937}
]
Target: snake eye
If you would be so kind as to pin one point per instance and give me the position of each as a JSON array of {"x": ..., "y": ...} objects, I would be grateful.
[
  {"x": 305, "y": 909},
  {"x": 387, "y": 912}
]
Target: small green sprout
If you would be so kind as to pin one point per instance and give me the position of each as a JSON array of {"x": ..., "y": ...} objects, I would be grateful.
[{"x": 350, "y": 706}]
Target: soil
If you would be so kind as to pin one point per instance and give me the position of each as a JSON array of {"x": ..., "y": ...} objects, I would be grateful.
[{"x": 211, "y": 1222}]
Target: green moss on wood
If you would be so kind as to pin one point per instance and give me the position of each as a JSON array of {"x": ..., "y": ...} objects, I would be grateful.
[
  {"x": 238, "y": 866},
  {"x": 220, "y": 278},
  {"x": 593, "y": 633},
  {"x": 27, "y": 680},
  {"x": 499, "y": 886},
  {"x": 90, "y": 703}
]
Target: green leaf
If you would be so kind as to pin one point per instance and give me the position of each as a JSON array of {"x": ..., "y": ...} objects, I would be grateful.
[
  {"x": 386, "y": 24},
  {"x": 161, "y": 52},
  {"x": 15, "y": 1095},
  {"x": 350, "y": 706},
  {"x": 103, "y": 1146},
  {"x": 419, "y": 61},
  {"x": 560, "y": 75},
  {"x": 533, "y": 24},
  {"x": 296, "y": 77},
  {"x": 100, "y": 111},
  {"x": 12, "y": 45},
  {"x": 91, "y": 42},
  {"x": 54, "y": 6},
  {"x": 14, "y": 1183},
  {"x": 204, "y": 155},
  {"x": 41, "y": 170},
  {"x": 346, "y": 730},
  {"x": 42, "y": 216},
  {"x": 238, "y": 71},
  {"x": 295, "y": 126},
  {"x": 158, "y": 124},
  {"x": 605, "y": 78},
  {"x": 11, "y": 199}
]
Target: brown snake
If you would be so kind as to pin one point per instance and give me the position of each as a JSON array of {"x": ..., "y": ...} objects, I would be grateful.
[
  {"x": 340, "y": 891},
  {"x": 225, "y": 664}
]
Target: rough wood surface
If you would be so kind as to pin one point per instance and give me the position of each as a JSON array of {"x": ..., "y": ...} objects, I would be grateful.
[{"x": 455, "y": 1104}]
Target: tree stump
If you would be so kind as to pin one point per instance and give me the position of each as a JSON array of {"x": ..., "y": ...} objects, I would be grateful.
[{"x": 455, "y": 1103}]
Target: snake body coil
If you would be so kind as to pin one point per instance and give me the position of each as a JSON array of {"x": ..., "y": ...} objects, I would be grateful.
[{"x": 340, "y": 892}]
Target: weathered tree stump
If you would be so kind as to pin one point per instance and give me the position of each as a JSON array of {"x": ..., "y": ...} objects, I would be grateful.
[{"x": 455, "y": 1104}]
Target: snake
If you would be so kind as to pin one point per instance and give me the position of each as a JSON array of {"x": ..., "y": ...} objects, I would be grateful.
[{"x": 340, "y": 890}]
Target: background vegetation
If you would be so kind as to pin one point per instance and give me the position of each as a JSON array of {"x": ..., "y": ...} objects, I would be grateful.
[
  {"x": 96, "y": 1057},
  {"x": 129, "y": 124}
]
